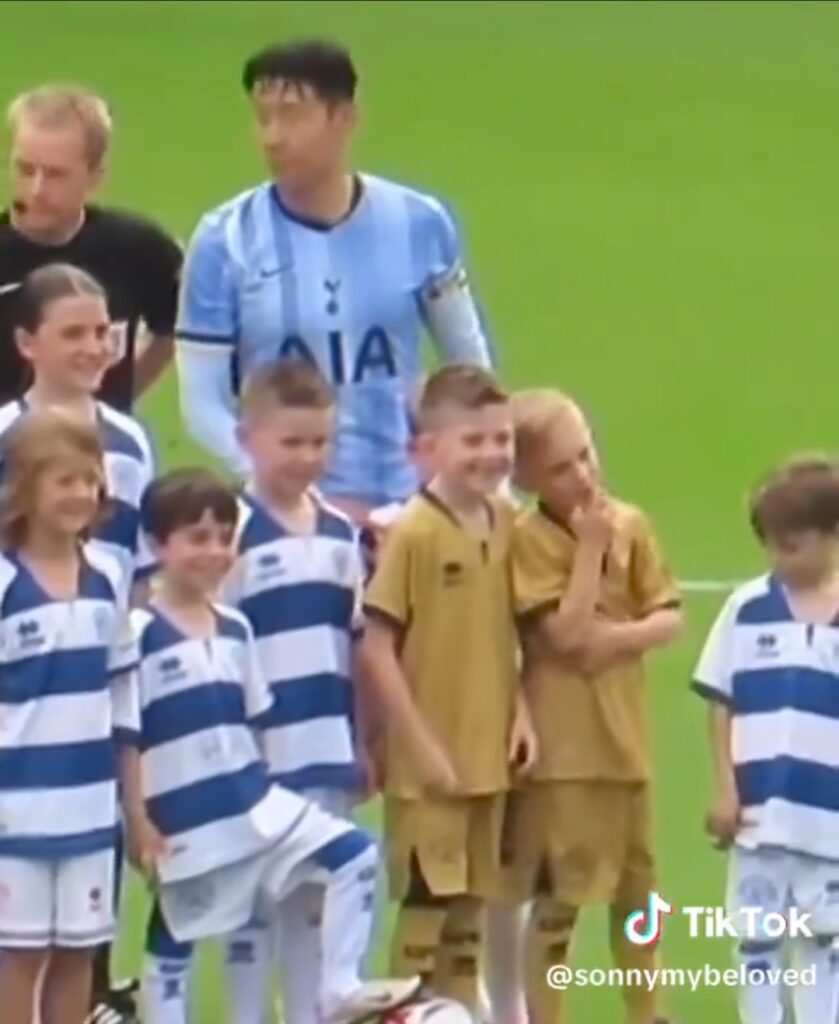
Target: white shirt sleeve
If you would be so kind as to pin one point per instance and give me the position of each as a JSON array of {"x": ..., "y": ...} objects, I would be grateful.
[
  {"x": 714, "y": 673},
  {"x": 125, "y": 682},
  {"x": 258, "y": 700},
  {"x": 124, "y": 649},
  {"x": 125, "y": 701},
  {"x": 145, "y": 562}
]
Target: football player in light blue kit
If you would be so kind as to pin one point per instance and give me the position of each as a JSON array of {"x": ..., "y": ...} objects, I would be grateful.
[{"x": 341, "y": 268}]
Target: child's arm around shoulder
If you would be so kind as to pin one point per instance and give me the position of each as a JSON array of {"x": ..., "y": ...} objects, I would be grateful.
[{"x": 389, "y": 604}]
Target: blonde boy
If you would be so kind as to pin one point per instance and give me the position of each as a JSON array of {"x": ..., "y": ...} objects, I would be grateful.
[{"x": 593, "y": 595}]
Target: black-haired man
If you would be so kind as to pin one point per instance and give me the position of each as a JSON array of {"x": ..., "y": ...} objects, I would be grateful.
[{"x": 323, "y": 263}]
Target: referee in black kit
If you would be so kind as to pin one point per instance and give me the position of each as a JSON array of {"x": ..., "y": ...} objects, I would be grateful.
[{"x": 59, "y": 140}]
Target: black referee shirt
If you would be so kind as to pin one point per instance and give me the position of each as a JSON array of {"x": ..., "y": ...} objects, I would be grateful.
[{"x": 135, "y": 261}]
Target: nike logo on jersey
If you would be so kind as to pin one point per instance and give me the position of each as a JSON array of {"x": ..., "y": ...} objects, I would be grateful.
[
  {"x": 11, "y": 287},
  {"x": 266, "y": 272},
  {"x": 264, "y": 275}
]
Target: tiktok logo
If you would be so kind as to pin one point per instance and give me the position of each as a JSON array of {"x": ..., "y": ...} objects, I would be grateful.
[{"x": 643, "y": 927}]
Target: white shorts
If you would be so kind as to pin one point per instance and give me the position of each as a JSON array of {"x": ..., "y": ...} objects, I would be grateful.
[
  {"x": 67, "y": 903},
  {"x": 334, "y": 801},
  {"x": 778, "y": 881},
  {"x": 230, "y": 897}
]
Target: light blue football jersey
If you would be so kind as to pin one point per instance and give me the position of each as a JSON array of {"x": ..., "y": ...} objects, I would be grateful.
[{"x": 262, "y": 284}]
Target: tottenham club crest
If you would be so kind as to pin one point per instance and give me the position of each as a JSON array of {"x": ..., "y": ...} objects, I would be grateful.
[{"x": 332, "y": 289}]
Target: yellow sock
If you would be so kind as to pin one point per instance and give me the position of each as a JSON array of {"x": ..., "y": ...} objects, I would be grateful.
[
  {"x": 640, "y": 1004},
  {"x": 456, "y": 973},
  {"x": 416, "y": 941},
  {"x": 548, "y": 942}
]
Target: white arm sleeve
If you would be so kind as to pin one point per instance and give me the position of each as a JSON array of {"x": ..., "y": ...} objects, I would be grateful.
[
  {"x": 208, "y": 405},
  {"x": 454, "y": 321},
  {"x": 447, "y": 304}
]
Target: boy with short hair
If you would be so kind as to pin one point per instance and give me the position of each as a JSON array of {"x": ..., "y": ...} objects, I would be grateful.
[
  {"x": 770, "y": 671},
  {"x": 223, "y": 842},
  {"x": 296, "y": 579},
  {"x": 501, "y": 994},
  {"x": 440, "y": 650},
  {"x": 593, "y": 594}
]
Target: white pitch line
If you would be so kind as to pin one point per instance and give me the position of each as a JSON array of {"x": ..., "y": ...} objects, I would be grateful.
[{"x": 708, "y": 586}]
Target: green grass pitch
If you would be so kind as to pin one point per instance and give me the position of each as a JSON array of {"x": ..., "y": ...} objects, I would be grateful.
[{"x": 649, "y": 195}]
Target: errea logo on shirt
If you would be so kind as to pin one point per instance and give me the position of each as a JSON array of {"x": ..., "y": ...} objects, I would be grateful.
[
  {"x": 270, "y": 560},
  {"x": 452, "y": 574},
  {"x": 767, "y": 646},
  {"x": 171, "y": 670},
  {"x": 29, "y": 635}
]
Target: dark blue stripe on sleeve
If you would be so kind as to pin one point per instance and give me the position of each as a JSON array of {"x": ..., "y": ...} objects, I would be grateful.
[
  {"x": 710, "y": 693},
  {"x": 126, "y": 737}
]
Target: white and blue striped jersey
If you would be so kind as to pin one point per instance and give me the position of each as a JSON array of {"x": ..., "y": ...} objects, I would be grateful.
[
  {"x": 780, "y": 679},
  {"x": 260, "y": 284},
  {"x": 193, "y": 709},
  {"x": 58, "y": 663},
  {"x": 300, "y": 593},
  {"x": 129, "y": 469}
]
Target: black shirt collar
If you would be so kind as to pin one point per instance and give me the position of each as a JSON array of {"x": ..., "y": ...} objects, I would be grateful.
[
  {"x": 442, "y": 507},
  {"x": 563, "y": 524}
]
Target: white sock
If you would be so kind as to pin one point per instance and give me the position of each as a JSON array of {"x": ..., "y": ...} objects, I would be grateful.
[
  {"x": 299, "y": 953},
  {"x": 506, "y": 928},
  {"x": 347, "y": 921},
  {"x": 819, "y": 1002},
  {"x": 248, "y": 968},
  {"x": 165, "y": 990},
  {"x": 761, "y": 1004}
]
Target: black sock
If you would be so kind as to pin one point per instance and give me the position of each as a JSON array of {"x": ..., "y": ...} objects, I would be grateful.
[{"x": 101, "y": 973}]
